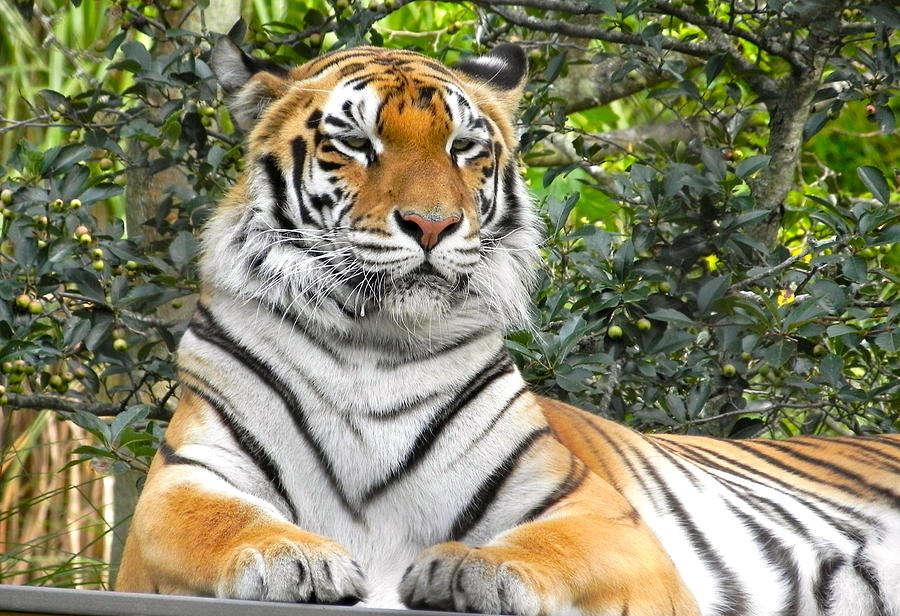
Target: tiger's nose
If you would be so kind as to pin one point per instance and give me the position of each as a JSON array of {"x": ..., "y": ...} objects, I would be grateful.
[{"x": 429, "y": 229}]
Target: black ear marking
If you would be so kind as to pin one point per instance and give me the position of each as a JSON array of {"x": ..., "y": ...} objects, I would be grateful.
[
  {"x": 233, "y": 68},
  {"x": 505, "y": 67}
]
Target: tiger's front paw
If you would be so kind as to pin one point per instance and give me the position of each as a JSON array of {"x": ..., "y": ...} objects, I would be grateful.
[
  {"x": 453, "y": 576},
  {"x": 293, "y": 570}
]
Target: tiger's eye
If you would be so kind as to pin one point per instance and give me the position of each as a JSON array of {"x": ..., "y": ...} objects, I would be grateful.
[
  {"x": 461, "y": 145},
  {"x": 357, "y": 143}
]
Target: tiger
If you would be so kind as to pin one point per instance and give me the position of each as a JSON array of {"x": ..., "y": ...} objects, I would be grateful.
[{"x": 352, "y": 430}]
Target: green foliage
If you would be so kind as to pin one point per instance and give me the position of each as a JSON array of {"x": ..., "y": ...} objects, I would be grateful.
[{"x": 668, "y": 301}]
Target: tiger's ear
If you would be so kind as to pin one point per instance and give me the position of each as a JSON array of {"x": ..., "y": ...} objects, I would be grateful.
[
  {"x": 251, "y": 84},
  {"x": 503, "y": 71}
]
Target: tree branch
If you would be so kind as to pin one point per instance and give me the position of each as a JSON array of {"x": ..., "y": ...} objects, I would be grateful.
[
  {"x": 68, "y": 404},
  {"x": 660, "y": 7},
  {"x": 589, "y": 85},
  {"x": 626, "y": 140},
  {"x": 763, "y": 86},
  {"x": 743, "y": 284}
]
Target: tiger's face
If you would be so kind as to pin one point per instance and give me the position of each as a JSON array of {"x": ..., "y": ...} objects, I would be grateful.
[{"x": 382, "y": 191}]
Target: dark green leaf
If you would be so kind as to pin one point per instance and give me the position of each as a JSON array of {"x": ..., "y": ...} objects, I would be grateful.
[
  {"x": 776, "y": 355},
  {"x": 670, "y": 315},
  {"x": 875, "y": 182},
  {"x": 832, "y": 369},
  {"x": 128, "y": 417},
  {"x": 183, "y": 248},
  {"x": 814, "y": 124},
  {"x": 855, "y": 269},
  {"x": 712, "y": 289},
  {"x": 749, "y": 166},
  {"x": 714, "y": 66}
]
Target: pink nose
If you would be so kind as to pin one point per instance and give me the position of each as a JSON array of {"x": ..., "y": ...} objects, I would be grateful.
[{"x": 427, "y": 231}]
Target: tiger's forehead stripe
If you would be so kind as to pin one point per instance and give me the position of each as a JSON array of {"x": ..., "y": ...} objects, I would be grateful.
[{"x": 343, "y": 61}]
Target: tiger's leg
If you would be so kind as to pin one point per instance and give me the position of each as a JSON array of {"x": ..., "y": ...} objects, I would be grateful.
[
  {"x": 186, "y": 539},
  {"x": 195, "y": 532},
  {"x": 591, "y": 554}
]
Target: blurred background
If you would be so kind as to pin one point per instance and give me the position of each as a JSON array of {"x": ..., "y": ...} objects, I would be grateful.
[{"x": 719, "y": 183}]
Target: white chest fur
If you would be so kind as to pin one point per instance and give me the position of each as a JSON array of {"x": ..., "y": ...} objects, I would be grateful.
[{"x": 374, "y": 452}]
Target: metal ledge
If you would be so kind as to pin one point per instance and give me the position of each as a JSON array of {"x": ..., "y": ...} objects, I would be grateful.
[{"x": 37, "y": 601}]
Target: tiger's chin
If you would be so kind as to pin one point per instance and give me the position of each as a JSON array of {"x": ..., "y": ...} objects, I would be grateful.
[{"x": 419, "y": 297}]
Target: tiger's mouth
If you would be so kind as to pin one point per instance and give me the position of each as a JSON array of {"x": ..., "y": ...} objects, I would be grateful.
[{"x": 421, "y": 293}]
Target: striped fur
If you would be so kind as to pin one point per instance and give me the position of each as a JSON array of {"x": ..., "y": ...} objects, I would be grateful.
[{"x": 351, "y": 427}]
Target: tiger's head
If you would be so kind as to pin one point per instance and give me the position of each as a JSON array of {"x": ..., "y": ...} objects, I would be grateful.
[{"x": 381, "y": 191}]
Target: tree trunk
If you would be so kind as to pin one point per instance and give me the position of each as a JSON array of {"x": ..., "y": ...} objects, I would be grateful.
[{"x": 788, "y": 117}]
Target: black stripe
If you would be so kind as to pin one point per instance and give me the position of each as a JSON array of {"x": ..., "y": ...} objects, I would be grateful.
[
  {"x": 312, "y": 122},
  {"x": 336, "y": 121},
  {"x": 497, "y": 416},
  {"x": 213, "y": 333},
  {"x": 853, "y": 479},
  {"x": 778, "y": 555},
  {"x": 842, "y": 526},
  {"x": 578, "y": 472},
  {"x": 632, "y": 471},
  {"x": 326, "y": 165},
  {"x": 298, "y": 151},
  {"x": 823, "y": 586},
  {"x": 487, "y": 215},
  {"x": 864, "y": 569},
  {"x": 298, "y": 324},
  {"x": 729, "y": 585},
  {"x": 425, "y": 94},
  {"x": 884, "y": 439},
  {"x": 245, "y": 440},
  {"x": 171, "y": 458},
  {"x": 790, "y": 488},
  {"x": 744, "y": 492},
  {"x": 279, "y": 191},
  {"x": 498, "y": 366},
  {"x": 401, "y": 409},
  {"x": 397, "y": 362},
  {"x": 320, "y": 202},
  {"x": 868, "y": 445},
  {"x": 512, "y": 205},
  {"x": 490, "y": 489}
]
